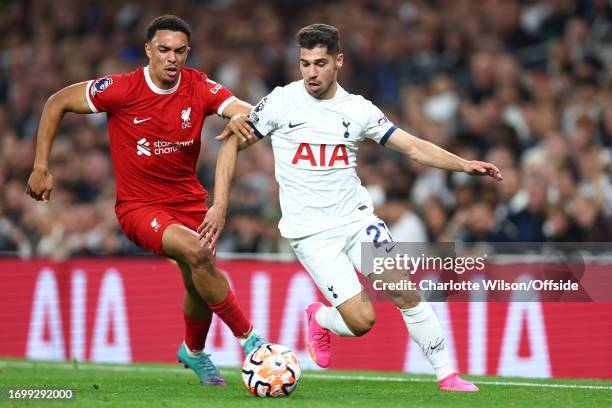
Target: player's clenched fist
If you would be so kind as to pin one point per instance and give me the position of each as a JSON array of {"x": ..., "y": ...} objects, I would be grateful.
[{"x": 40, "y": 185}]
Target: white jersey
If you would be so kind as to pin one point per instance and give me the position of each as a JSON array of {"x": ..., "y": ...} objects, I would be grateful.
[{"x": 315, "y": 144}]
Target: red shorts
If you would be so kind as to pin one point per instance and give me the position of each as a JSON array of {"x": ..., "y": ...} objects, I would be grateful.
[{"x": 145, "y": 224}]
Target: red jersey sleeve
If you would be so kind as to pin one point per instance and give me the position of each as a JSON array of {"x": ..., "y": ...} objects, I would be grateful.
[
  {"x": 107, "y": 94},
  {"x": 217, "y": 97}
]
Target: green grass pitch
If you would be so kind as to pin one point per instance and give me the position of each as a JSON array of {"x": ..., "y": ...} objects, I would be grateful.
[{"x": 145, "y": 385}]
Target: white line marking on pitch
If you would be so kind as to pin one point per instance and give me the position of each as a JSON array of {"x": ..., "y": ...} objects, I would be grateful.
[
  {"x": 486, "y": 382},
  {"x": 128, "y": 368}
]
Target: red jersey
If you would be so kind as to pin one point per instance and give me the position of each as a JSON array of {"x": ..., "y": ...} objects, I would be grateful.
[{"x": 155, "y": 133}]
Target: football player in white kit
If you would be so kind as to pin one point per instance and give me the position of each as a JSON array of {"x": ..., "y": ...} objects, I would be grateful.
[{"x": 315, "y": 127}]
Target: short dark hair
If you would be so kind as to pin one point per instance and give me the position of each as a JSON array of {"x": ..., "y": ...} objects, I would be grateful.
[
  {"x": 320, "y": 35},
  {"x": 168, "y": 22}
]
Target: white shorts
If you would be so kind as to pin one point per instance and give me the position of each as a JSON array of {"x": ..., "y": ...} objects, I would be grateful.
[{"x": 331, "y": 257}]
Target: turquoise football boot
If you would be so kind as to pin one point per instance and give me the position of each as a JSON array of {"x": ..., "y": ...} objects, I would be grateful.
[
  {"x": 254, "y": 342},
  {"x": 202, "y": 366}
]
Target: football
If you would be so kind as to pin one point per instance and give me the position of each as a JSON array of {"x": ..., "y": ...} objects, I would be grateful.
[{"x": 271, "y": 370}]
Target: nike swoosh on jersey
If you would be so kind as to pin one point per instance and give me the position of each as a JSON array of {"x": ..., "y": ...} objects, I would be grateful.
[
  {"x": 291, "y": 125},
  {"x": 137, "y": 121}
]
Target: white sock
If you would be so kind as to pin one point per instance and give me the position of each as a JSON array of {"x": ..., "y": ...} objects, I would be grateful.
[
  {"x": 425, "y": 329},
  {"x": 243, "y": 340},
  {"x": 330, "y": 318},
  {"x": 193, "y": 353}
]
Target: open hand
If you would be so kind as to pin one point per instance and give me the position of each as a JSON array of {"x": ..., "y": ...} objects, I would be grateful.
[{"x": 211, "y": 227}]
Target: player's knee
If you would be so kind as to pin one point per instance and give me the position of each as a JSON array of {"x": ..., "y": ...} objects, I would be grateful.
[
  {"x": 406, "y": 299},
  {"x": 407, "y": 304},
  {"x": 201, "y": 260}
]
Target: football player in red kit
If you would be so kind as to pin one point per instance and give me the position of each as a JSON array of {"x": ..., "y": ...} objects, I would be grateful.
[{"x": 155, "y": 117}]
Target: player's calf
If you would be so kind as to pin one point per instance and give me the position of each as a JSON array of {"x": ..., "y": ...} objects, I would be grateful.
[
  {"x": 183, "y": 244},
  {"x": 358, "y": 314},
  {"x": 361, "y": 325}
]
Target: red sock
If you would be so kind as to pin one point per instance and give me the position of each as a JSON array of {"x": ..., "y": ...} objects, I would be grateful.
[
  {"x": 196, "y": 332},
  {"x": 229, "y": 311}
]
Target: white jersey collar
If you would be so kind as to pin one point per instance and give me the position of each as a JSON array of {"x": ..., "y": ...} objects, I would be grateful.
[{"x": 155, "y": 88}]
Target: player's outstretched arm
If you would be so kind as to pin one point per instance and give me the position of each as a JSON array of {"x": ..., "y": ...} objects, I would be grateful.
[
  {"x": 234, "y": 139},
  {"x": 431, "y": 155},
  {"x": 214, "y": 221},
  {"x": 69, "y": 99}
]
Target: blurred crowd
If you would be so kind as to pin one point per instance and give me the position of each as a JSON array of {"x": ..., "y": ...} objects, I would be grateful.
[{"x": 525, "y": 84}]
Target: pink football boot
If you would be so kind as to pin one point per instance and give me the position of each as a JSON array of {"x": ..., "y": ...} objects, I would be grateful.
[
  {"x": 453, "y": 382},
  {"x": 318, "y": 341}
]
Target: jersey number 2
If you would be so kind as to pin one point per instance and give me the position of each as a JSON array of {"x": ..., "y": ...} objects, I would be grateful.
[{"x": 376, "y": 229}]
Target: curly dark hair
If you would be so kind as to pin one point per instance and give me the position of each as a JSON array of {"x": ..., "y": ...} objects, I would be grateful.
[{"x": 168, "y": 22}]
